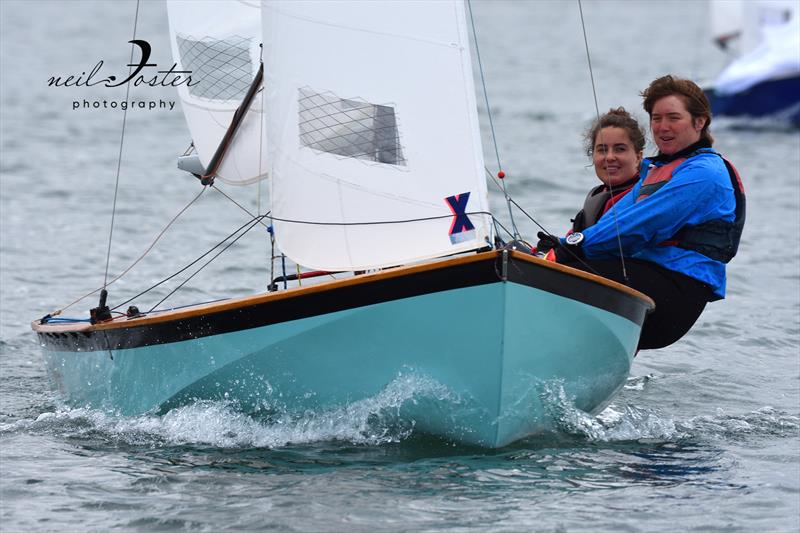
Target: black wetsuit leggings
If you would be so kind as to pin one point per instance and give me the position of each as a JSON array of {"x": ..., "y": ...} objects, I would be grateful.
[{"x": 679, "y": 299}]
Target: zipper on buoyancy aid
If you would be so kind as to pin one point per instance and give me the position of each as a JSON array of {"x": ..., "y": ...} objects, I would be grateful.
[{"x": 716, "y": 239}]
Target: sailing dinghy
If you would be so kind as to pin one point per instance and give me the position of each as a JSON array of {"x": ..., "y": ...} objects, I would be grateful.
[{"x": 367, "y": 127}]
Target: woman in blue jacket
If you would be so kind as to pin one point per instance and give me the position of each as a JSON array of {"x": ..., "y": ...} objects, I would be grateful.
[{"x": 678, "y": 226}]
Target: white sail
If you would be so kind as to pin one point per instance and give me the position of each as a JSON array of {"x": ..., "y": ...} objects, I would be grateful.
[
  {"x": 219, "y": 42},
  {"x": 372, "y": 132}
]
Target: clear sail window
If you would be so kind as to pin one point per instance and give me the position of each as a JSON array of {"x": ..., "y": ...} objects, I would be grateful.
[
  {"x": 349, "y": 128},
  {"x": 223, "y": 68}
]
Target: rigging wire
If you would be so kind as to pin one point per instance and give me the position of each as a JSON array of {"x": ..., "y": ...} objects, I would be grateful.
[
  {"x": 121, "y": 142},
  {"x": 373, "y": 223},
  {"x": 240, "y": 206},
  {"x": 574, "y": 255},
  {"x": 142, "y": 256},
  {"x": 597, "y": 111},
  {"x": 241, "y": 231},
  {"x": 252, "y": 221},
  {"x": 249, "y": 225},
  {"x": 500, "y": 172},
  {"x": 498, "y": 223},
  {"x": 256, "y": 219},
  {"x": 539, "y": 225}
]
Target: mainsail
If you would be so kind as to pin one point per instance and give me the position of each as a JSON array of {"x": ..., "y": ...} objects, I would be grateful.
[
  {"x": 219, "y": 41},
  {"x": 373, "y": 141}
]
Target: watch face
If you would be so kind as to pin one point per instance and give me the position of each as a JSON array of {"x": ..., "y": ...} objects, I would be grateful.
[{"x": 574, "y": 238}]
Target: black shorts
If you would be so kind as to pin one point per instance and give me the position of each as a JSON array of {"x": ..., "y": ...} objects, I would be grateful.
[{"x": 679, "y": 298}]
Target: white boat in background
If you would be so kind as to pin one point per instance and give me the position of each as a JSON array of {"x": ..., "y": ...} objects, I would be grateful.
[
  {"x": 363, "y": 115},
  {"x": 763, "y": 80}
]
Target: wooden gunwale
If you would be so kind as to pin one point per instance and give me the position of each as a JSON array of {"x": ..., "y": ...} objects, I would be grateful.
[{"x": 246, "y": 301}]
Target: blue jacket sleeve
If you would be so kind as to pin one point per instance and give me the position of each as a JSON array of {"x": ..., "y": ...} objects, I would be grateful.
[{"x": 700, "y": 190}]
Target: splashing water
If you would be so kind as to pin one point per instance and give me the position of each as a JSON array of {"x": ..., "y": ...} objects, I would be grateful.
[
  {"x": 380, "y": 420},
  {"x": 372, "y": 421},
  {"x": 618, "y": 423},
  {"x": 628, "y": 424}
]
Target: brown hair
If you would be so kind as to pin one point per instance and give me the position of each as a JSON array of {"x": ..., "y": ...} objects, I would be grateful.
[
  {"x": 693, "y": 96},
  {"x": 615, "y": 118}
]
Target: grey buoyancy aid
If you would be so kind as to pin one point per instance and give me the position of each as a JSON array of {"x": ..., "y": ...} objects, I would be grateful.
[
  {"x": 596, "y": 203},
  {"x": 716, "y": 239}
]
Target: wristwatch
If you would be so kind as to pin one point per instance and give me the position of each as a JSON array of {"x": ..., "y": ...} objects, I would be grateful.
[{"x": 574, "y": 239}]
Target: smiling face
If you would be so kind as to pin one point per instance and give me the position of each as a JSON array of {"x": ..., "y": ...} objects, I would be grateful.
[
  {"x": 615, "y": 159},
  {"x": 673, "y": 126}
]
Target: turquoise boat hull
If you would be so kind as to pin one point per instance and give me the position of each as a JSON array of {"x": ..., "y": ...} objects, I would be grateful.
[{"x": 493, "y": 350}]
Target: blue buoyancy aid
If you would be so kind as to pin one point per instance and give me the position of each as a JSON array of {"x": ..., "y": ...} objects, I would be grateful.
[{"x": 717, "y": 239}]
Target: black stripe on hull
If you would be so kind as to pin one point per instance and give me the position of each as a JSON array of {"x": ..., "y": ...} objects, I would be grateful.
[
  {"x": 322, "y": 302},
  {"x": 569, "y": 286}
]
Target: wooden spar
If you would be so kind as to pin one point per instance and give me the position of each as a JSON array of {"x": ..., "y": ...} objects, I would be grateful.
[{"x": 213, "y": 165}]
